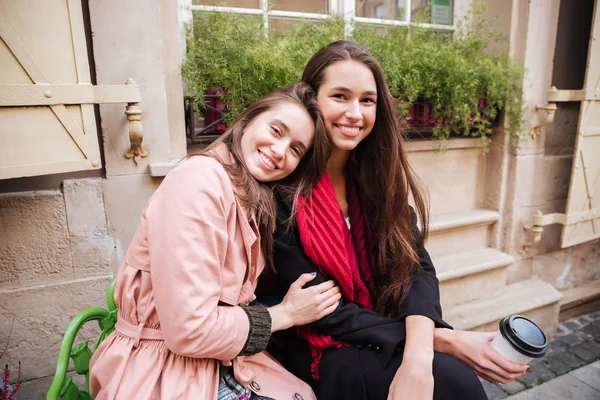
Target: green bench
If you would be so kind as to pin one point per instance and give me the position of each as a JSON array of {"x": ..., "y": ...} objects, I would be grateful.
[{"x": 63, "y": 386}]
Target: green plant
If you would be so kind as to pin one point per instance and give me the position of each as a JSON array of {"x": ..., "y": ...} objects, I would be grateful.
[
  {"x": 235, "y": 52},
  {"x": 450, "y": 72}
]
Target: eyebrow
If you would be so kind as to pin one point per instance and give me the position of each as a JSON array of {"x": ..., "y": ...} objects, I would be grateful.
[
  {"x": 283, "y": 125},
  {"x": 304, "y": 148},
  {"x": 287, "y": 129},
  {"x": 345, "y": 89}
]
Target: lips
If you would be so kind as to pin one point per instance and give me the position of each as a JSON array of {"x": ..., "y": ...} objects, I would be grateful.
[
  {"x": 267, "y": 161},
  {"x": 349, "y": 131}
]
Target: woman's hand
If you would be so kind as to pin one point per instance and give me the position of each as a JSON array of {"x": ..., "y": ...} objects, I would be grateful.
[
  {"x": 473, "y": 348},
  {"x": 303, "y": 306},
  {"x": 414, "y": 378}
]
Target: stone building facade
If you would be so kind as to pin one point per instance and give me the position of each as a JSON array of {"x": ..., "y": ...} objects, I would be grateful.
[{"x": 63, "y": 235}]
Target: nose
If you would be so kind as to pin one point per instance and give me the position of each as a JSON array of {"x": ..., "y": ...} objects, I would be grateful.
[
  {"x": 278, "y": 149},
  {"x": 353, "y": 110}
]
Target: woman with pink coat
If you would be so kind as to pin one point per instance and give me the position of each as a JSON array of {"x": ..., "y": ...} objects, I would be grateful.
[{"x": 186, "y": 329}]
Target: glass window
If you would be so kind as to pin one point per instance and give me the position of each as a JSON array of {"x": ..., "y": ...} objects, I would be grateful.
[
  {"x": 439, "y": 12},
  {"x": 228, "y": 3},
  {"x": 279, "y": 26},
  {"x": 426, "y": 11},
  {"x": 307, "y": 6},
  {"x": 382, "y": 9}
]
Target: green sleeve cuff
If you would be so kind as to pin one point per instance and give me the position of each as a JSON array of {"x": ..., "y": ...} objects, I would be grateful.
[{"x": 260, "y": 330}]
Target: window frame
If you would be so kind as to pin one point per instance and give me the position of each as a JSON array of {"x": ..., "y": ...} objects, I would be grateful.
[{"x": 347, "y": 8}]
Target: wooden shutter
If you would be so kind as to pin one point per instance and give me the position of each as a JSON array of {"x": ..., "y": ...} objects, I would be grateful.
[
  {"x": 47, "y": 119},
  {"x": 583, "y": 204}
]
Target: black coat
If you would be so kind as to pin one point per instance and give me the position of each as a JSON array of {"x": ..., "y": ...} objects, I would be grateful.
[{"x": 376, "y": 342}]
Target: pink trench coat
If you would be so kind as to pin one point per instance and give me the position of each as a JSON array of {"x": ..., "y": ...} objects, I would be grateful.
[{"x": 195, "y": 257}]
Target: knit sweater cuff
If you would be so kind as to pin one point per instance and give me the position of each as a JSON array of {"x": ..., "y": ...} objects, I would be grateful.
[{"x": 260, "y": 330}]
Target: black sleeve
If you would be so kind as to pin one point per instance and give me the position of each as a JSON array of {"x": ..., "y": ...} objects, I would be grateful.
[
  {"x": 349, "y": 322},
  {"x": 423, "y": 297}
]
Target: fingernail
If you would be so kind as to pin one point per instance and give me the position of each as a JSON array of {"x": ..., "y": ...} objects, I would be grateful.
[
  {"x": 339, "y": 302},
  {"x": 313, "y": 273}
]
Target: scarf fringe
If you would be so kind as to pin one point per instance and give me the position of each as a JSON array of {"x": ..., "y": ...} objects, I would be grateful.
[{"x": 317, "y": 354}]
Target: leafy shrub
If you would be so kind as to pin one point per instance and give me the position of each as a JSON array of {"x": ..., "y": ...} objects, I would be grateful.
[{"x": 452, "y": 72}]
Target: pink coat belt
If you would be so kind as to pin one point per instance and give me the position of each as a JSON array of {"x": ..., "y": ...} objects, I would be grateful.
[{"x": 137, "y": 332}]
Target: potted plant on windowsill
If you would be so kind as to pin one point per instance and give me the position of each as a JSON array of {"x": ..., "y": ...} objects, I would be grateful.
[{"x": 443, "y": 84}]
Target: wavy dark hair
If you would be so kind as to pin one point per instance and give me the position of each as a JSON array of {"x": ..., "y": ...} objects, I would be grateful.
[
  {"x": 258, "y": 196},
  {"x": 380, "y": 169}
]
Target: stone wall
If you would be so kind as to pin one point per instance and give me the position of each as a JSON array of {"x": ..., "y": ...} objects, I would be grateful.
[
  {"x": 55, "y": 261},
  {"x": 60, "y": 247},
  {"x": 156, "y": 68},
  {"x": 550, "y": 173},
  {"x": 536, "y": 176}
]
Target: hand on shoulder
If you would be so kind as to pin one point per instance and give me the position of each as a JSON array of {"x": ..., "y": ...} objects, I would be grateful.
[{"x": 301, "y": 306}]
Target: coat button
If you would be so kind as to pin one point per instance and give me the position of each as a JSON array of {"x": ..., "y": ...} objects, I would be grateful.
[
  {"x": 297, "y": 396},
  {"x": 255, "y": 386},
  {"x": 377, "y": 349},
  {"x": 359, "y": 346},
  {"x": 370, "y": 346}
]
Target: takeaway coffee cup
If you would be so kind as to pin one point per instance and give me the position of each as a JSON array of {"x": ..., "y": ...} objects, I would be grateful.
[{"x": 520, "y": 340}]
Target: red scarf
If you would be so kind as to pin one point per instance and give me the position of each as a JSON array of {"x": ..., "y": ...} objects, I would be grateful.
[{"x": 339, "y": 254}]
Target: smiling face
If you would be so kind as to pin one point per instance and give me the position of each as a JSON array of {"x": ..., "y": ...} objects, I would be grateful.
[
  {"x": 275, "y": 141},
  {"x": 348, "y": 99}
]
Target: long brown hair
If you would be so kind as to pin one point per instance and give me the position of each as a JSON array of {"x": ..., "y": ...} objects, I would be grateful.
[
  {"x": 258, "y": 196},
  {"x": 380, "y": 169}
]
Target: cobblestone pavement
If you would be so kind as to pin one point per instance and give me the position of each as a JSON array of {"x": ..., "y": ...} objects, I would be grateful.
[
  {"x": 580, "y": 384},
  {"x": 576, "y": 343}
]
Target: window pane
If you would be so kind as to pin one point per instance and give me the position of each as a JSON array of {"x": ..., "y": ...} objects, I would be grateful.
[
  {"x": 307, "y": 6},
  {"x": 228, "y": 3},
  {"x": 438, "y": 12},
  {"x": 383, "y": 9},
  {"x": 280, "y": 26},
  {"x": 317, "y": 33},
  {"x": 426, "y": 11}
]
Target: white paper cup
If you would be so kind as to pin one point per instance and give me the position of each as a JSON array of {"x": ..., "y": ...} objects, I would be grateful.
[{"x": 519, "y": 339}]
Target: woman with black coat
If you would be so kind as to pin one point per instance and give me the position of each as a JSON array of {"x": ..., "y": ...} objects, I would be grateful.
[{"x": 387, "y": 340}]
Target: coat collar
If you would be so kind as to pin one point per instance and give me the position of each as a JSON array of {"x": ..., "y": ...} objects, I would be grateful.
[{"x": 246, "y": 218}]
